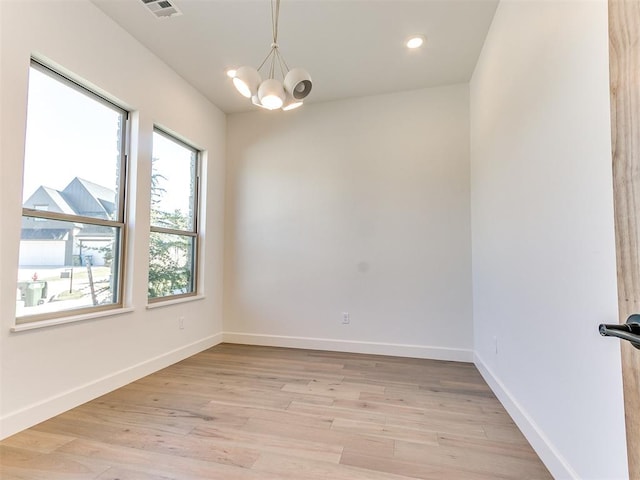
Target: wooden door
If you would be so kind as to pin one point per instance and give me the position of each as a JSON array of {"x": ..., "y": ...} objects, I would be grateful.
[{"x": 624, "y": 60}]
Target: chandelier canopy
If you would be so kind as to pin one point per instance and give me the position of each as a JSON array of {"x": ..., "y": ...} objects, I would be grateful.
[{"x": 272, "y": 93}]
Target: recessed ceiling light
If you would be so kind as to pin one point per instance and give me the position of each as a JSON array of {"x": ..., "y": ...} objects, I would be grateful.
[
  {"x": 415, "y": 41},
  {"x": 231, "y": 72}
]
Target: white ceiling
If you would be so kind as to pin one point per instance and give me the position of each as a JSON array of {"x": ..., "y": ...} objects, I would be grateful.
[{"x": 350, "y": 47}]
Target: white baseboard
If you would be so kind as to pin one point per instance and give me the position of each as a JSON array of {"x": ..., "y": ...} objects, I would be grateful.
[
  {"x": 35, "y": 413},
  {"x": 552, "y": 459},
  {"x": 351, "y": 346}
]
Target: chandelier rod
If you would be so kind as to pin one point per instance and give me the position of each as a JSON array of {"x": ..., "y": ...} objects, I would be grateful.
[
  {"x": 274, "y": 52},
  {"x": 274, "y": 19},
  {"x": 282, "y": 62}
]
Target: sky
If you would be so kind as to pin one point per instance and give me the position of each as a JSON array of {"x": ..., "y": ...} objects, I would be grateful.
[{"x": 70, "y": 134}]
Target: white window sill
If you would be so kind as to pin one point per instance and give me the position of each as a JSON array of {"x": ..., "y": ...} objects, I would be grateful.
[
  {"x": 175, "y": 301},
  {"x": 64, "y": 320}
]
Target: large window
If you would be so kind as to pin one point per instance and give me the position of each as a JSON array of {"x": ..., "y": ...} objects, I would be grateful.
[
  {"x": 174, "y": 221},
  {"x": 71, "y": 245}
]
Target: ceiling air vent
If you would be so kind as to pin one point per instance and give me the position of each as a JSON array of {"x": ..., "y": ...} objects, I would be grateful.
[{"x": 162, "y": 8}]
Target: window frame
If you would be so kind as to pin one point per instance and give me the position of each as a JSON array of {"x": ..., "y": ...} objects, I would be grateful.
[
  {"x": 121, "y": 217},
  {"x": 194, "y": 233}
]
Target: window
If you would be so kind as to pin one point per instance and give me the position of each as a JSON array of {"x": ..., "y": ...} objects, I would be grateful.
[
  {"x": 71, "y": 245},
  {"x": 174, "y": 221},
  {"x": 43, "y": 208}
]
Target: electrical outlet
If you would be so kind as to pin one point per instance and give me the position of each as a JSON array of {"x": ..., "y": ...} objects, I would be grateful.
[
  {"x": 345, "y": 318},
  {"x": 181, "y": 323}
]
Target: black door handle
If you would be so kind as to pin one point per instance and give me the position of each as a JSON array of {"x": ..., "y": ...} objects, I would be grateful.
[{"x": 626, "y": 331}]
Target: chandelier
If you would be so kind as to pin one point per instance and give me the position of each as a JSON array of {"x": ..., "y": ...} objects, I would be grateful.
[{"x": 273, "y": 93}]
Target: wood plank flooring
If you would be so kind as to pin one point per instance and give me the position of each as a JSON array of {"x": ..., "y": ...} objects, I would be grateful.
[{"x": 244, "y": 412}]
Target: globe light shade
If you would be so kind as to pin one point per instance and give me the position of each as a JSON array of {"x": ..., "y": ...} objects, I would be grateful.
[
  {"x": 246, "y": 81},
  {"x": 292, "y": 106},
  {"x": 297, "y": 82},
  {"x": 290, "y": 103},
  {"x": 256, "y": 102},
  {"x": 271, "y": 94}
]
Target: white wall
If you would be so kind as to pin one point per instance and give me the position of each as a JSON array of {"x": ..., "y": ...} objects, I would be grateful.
[
  {"x": 358, "y": 206},
  {"x": 361, "y": 206},
  {"x": 543, "y": 241},
  {"x": 49, "y": 370}
]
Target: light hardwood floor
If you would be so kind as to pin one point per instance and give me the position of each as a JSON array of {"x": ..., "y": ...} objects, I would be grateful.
[{"x": 244, "y": 412}]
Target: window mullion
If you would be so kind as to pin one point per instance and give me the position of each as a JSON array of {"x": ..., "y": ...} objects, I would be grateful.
[
  {"x": 171, "y": 231},
  {"x": 65, "y": 217}
]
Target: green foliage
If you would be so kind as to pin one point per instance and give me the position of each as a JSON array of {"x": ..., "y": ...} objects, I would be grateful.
[
  {"x": 170, "y": 269},
  {"x": 169, "y": 265}
]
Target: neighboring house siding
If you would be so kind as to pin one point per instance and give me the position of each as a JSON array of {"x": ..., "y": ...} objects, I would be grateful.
[
  {"x": 43, "y": 252},
  {"x": 89, "y": 199},
  {"x": 80, "y": 197}
]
